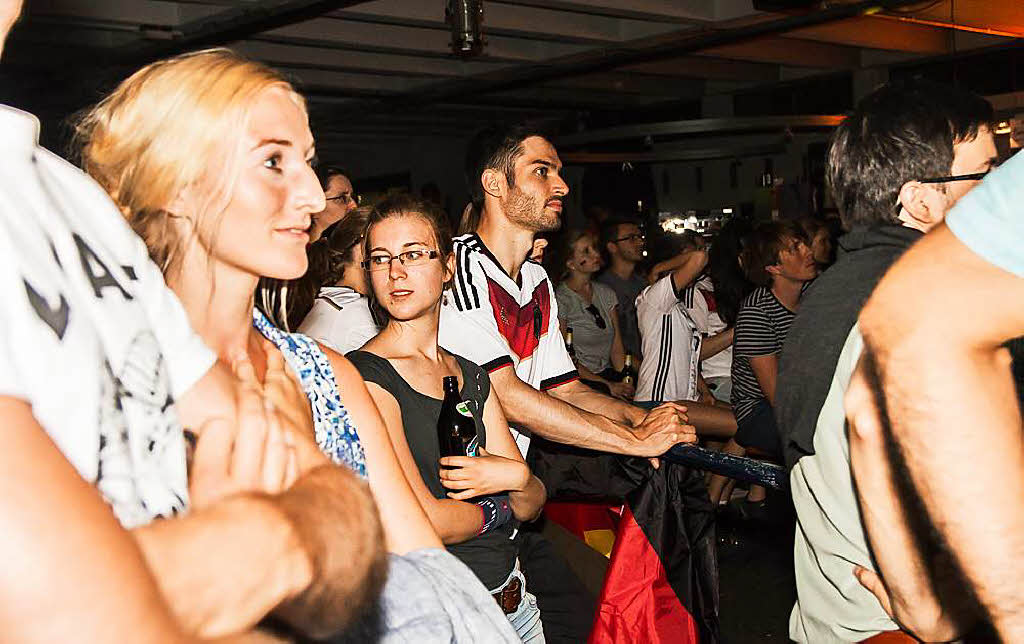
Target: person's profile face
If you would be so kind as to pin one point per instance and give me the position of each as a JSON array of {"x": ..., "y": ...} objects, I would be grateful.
[
  {"x": 534, "y": 202},
  {"x": 970, "y": 157},
  {"x": 405, "y": 290},
  {"x": 265, "y": 226},
  {"x": 340, "y": 201},
  {"x": 796, "y": 261}
]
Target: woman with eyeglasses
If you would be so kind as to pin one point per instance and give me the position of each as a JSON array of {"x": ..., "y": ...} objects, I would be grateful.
[
  {"x": 474, "y": 502},
  {"x": 219, "y": 185},
  {"x": 340, "y": 200},
  {"x": 589, "y": 308},
  {"x": 341, "y": 317}
]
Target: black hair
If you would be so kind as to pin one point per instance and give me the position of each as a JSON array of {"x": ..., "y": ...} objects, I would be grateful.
[
  {"x": 326, "y": 172},
  {"x": 496, "y": 147},
  {"x": 900, "y": 132},
  {"x": 730, "y": 283}
]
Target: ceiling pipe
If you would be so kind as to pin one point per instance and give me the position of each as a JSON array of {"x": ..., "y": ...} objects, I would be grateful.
[{"x": 609, "y": 58}]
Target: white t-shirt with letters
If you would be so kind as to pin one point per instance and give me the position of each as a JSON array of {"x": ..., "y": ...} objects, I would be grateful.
[{"x": 92, "y": 338}]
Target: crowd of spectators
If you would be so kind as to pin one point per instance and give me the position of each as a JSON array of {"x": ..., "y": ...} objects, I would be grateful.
[{"x": 223, "y": 376}]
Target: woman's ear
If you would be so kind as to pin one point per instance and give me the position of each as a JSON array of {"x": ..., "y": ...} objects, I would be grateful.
[{"x": 449, "y": 268}]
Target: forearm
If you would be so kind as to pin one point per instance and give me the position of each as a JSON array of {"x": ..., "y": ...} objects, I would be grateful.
[
  {"x": 454, "y": 521},
  {"x": 595, "y": 402},
  {"x": 550, "y": 418},
  {"x": 224, "y": 568},
  {"x": 715, "y": 344},
  {"x": 528, "y": 502}
]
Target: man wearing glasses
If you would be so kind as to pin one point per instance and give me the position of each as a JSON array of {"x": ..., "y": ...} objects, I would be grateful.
[
  {"x": 624, "y": 243},
  {"x": 896, "y": 165}
]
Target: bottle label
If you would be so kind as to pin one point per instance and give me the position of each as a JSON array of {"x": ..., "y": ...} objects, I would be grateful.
[
  {"x": 472, "y": 447},
  {"x": 463, "y": 408}
]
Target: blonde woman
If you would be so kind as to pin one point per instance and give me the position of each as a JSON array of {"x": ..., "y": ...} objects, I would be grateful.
[{"x": 208, "y": 155}]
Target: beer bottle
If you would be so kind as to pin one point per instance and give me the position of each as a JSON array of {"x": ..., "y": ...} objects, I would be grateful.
[
  {"x": 568, "y": 343},
  {"x": 456, "y": 430},
  {"x": 629, "y": 371}
]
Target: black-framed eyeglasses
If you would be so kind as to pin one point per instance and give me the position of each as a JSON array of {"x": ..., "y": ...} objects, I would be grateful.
[
  {"x": 383, "y": 261},
  {"x": 634, "y": 236},
  {"x": 345, "y": 196},
  {"x": 975, "y": 176},
  {"x": 598, "y": 320}
]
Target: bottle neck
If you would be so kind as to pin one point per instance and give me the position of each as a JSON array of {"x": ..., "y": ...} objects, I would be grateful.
[{"x": 451, "y": 385}]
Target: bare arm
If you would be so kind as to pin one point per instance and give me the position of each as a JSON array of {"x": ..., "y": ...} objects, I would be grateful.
[
  {"x": 559, "y": 421},
  {"x": 528, "y": 499},
  {"x": 61, "y": 539},
  {"x": 406, "y": 525},
  {"x": 618, "y": 354},
  {"x": 579, "y": 395},
  {"x": 766, "y": 370},
  {"x": 685, "y": 267},
  {"x": 903, "y": 584},
  {"x": 940, "y": 365},
  {"x": 715, "y": 344},
  {"x": 454, "y": 521}
]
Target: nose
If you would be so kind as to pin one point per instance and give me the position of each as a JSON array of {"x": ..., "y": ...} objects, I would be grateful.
[
  {"x": 561, "y": 188},
  {"x": 307, "y": 194},
  {"x": 396, "y": 269}
]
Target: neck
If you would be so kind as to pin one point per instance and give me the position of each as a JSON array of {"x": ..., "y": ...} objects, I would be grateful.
[
  {"x": 621, "y": 267},
  {"x": 218, "y": 300},
  {"x": 509, "y": 243},
  {"x": 578, "y": 281},
  {"x": 787, "y": 291},
  {"x": 416, "y": 337}
]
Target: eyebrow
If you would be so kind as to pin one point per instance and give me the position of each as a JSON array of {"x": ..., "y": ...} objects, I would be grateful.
[
  {"x": 545, "y": 162},
  {"x": 285, "y": 143}
]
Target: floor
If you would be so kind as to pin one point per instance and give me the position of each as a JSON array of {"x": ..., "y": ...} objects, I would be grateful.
[{"x": 757, "y": 587}]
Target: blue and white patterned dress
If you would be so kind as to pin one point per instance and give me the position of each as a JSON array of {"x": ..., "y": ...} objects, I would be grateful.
[{"x": 335, "y": 433}]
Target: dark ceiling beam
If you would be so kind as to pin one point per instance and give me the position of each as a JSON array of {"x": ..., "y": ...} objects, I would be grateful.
[
  {"x": 630, "y": 53},
  {"x": 701, "y": 126},
  {"x": 667, "y": 13},
  {"x": 669, "y": 154},
  {"x": 229, "y": 26}
]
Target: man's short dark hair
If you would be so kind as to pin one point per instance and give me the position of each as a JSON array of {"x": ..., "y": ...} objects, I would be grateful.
[
  {"x": 762, "y": 247},
  {"x": 610, "y": 229},
  {"x": 496, "y": 147},
  {"x": 325, "y": 172},
  {"x": 900, "y": 132}
]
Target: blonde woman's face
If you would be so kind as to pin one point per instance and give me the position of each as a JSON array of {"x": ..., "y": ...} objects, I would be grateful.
[{"x": 265, "y": 227}]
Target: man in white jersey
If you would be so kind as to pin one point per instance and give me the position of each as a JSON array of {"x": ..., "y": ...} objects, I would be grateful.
[
  {"x": 99, "y": 370},
  {"x": 502, "y": 312}
]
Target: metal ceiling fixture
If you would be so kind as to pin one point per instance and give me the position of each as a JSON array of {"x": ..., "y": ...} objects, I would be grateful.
[{"x": 465, "y": 17}]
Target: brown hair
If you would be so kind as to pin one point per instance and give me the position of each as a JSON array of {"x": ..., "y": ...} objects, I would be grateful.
[
  {"x": 762, "y": 247},
  {"x": 402, "y": 205},
  {"x": 164, "y": 129}
]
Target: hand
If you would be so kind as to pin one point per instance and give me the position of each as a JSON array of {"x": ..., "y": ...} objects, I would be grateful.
[
  {"x": 482, "y": 475},
  {"x": 622, "y": 390},
  {"x": 283, "y": 392},
  {"x": 253, "y": 455},
  {"x": 663, "y": 427},
  {"x": 870, "y": 580}
]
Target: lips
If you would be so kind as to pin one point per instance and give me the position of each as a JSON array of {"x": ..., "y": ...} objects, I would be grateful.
[
  {"x": 296, "y": 233},
  {"x": 554, "y": 204},
  {"x": 400, "y": 293}
]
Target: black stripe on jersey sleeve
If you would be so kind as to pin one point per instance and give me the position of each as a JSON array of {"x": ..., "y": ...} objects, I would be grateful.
[
  {"x": 664, "y": 359},
  {"x": 469, "y": 281},
  {"x": 493, "y": 365},
  {"x": 558, "y": 381}
]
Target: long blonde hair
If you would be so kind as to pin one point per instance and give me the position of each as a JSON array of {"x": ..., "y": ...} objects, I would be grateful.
[{"x": 163, "y": 131}]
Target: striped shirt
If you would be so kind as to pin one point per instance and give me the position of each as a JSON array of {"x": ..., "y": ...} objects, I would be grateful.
[
  {"x": 761, "y": 329},
  {"x": 671, "y": 345}
]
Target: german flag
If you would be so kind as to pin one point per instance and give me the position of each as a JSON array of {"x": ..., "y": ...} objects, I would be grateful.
[{"x": 662, "y": 582}]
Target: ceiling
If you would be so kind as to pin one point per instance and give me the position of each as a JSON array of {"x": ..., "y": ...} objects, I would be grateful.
[{"x": 384, "y": 69}]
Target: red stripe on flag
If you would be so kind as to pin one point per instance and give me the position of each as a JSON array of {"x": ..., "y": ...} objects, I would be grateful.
[{"x": 637, "y": 605}]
